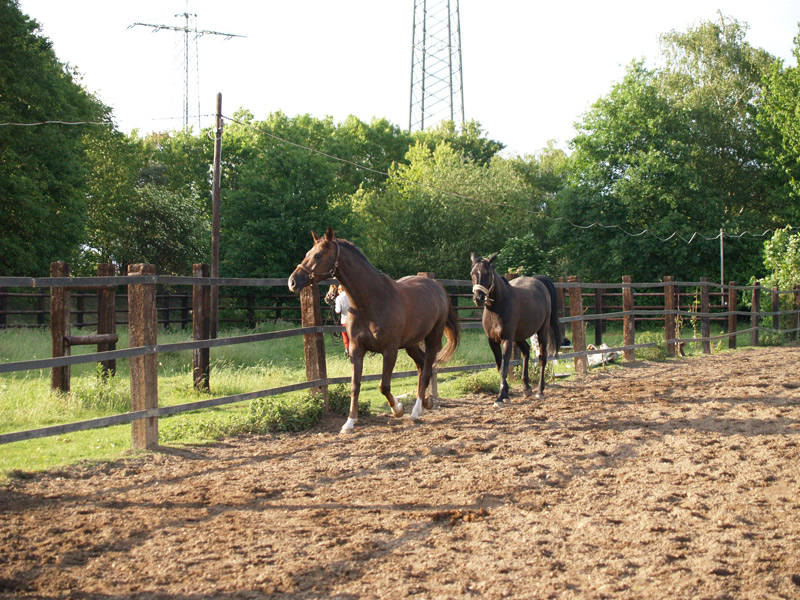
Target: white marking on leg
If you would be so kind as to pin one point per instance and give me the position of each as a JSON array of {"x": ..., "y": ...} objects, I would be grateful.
[
  {"x": 417, "y": 411},
  {"x": 398, "y": 408},
  {"x": 348, "y": 425}
]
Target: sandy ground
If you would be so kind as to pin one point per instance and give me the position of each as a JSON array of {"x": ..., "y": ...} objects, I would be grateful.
[{"x": 659, "y": 480}]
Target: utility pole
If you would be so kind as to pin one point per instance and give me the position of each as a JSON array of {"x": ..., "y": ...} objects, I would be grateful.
[
  {"x": 215, "y": 209},
  {"x": 437, "y": 79},
  {"x": 186, "y": 30}
]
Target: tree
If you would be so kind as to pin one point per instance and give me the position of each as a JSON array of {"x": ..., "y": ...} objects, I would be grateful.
[
  {"x": 438, "y": 208},
  {"x": 42, "y": 200},
  {"x": 673, "y": 149},
  {"x": 470, "y": 142},
  {"x": 779, "y": 121}
]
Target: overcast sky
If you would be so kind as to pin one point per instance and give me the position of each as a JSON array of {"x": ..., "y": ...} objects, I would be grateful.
[{"x": 531, "y": 69}]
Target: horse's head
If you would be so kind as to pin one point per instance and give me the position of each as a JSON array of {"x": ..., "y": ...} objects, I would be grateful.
[
  {"x": 333, "y": 291},
  {"x": 319, "y": 263},
  {"x": 483, "y": 279}
]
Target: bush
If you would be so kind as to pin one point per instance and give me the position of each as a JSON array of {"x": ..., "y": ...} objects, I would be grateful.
[
  {"x": 339, "y": 401},
  {"x": 484, "y": 382}
]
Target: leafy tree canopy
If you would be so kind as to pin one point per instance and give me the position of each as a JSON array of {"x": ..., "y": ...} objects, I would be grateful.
[{"x": 42, "y": 202}]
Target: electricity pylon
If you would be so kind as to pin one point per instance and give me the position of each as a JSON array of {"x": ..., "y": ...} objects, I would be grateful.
[
  {"x": 437, "y": 82},
  {"x": 186, "y": 30}
]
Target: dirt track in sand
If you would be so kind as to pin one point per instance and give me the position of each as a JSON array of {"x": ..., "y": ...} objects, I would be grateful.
[{"x": 659, "y": 480}]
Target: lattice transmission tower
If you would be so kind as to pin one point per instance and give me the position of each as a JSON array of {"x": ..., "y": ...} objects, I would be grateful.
[
  {"x": 437, "y": 82},
  {"x": 188, "y": 30}
]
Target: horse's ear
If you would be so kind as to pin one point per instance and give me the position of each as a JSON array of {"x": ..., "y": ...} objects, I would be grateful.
[
  {"x": 329, "y": 234},
  {"x": 315, "y": 236},
  {"x": 473, "y": 257},
  {"x": 493, "y": 256}
]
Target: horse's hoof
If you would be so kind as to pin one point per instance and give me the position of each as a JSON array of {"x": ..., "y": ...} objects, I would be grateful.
[
  {"x": 499, "y": 404},
  {"x": 427, "y": 404},
  {"x": 348, "y": 426},
  {"x": 398, "y": 410}
]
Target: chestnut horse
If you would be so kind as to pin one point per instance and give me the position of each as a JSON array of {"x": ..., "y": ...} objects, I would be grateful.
[
  {"x": 512, "y": 312},
  {"x": 385, "y": 315}
]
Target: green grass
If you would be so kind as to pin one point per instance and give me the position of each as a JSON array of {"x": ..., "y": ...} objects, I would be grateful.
[{"x": 26, "y": 401}]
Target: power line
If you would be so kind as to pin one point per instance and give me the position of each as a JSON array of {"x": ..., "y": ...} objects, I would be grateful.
[
  {"x": 433, "y": 188},
  {"x": 39, "y": 123}
]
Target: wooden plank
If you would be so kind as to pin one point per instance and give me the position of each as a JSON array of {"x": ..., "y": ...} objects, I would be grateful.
[
  {"x": 93, "y": 338},
  {"x": 143, "y": 331}
]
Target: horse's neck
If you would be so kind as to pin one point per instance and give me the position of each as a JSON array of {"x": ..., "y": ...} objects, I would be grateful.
[
  {"x": 367, "y": 287},
  {"x": 502, "y": 292}
]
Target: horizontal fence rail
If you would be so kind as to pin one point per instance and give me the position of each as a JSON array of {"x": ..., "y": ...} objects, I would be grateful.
[{"x": 312, "y": 327}]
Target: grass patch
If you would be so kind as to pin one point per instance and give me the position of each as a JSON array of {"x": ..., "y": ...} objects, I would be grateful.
[{"x": 27, "y": 402}]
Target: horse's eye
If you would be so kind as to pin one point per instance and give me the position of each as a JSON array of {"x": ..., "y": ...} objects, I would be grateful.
[{"x": 317, "y": 256}]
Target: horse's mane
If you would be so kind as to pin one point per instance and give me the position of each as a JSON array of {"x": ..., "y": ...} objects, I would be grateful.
[{"x": 351, "y": 246}]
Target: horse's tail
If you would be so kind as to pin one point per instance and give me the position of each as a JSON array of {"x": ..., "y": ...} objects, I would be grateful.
[
  {"x": 556, "y": 331},
  {"x": 452, "y": 331}
]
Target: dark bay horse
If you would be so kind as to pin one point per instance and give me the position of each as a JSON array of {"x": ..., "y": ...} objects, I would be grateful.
[
  {"x": 385, "y": 315},
  {"x": 512, "y": 312}
]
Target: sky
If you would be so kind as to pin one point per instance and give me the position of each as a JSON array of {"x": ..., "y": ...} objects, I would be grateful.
[{"x": 531, "y": 69}]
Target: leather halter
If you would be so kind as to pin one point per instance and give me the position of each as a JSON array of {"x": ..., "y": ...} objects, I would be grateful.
[
  {"x": 332, "y": 272},
  {"x": 487, "y": 292}
]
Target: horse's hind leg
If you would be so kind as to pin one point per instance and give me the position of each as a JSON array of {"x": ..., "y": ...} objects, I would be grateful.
[
  {"x": 525, "y": 349},
  {"x": 418, "y": 355},
  {"x": 543, "y": 343},
  {"x": 389, "y": 360},
  {"x": 427, "y": 381}
]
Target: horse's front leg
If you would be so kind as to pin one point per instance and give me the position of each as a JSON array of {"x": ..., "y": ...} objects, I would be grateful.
[
  {"x": 505, "y": 360},
  {"x": 357, "y": 359},
  {"x": 389, "y": 360}
]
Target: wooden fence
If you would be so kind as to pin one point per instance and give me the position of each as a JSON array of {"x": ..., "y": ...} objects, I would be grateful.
[{"x": 709, "y": 301}]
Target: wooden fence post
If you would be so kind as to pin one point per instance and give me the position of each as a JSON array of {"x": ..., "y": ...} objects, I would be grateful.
[
  {"x": 629, "y": 320},
  {"x": 3, "y": 307},
  {"x": 754, "y": 310},
  {"x": 776, "y": 306},
  {"x": 314, "y": 343},
  {"x": 41, "y": 308},
  {"x": 705, "y": 322},
  {"x": 669, "y": 313},
  {"x": 59, "y": 326},
  {"x": 599, "y": 324},
  {"x": 732, "y": 304},
  {"x": 561, "y": 303},
  {"x": 797, "y": 313},
  {"x": 251, "y": 308},
  {"x": 107, "y": 316},
  {"x": 201, "y": 324},
  {"x": 143, "y": 330},
  {"x": 578, "y": 330}
]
